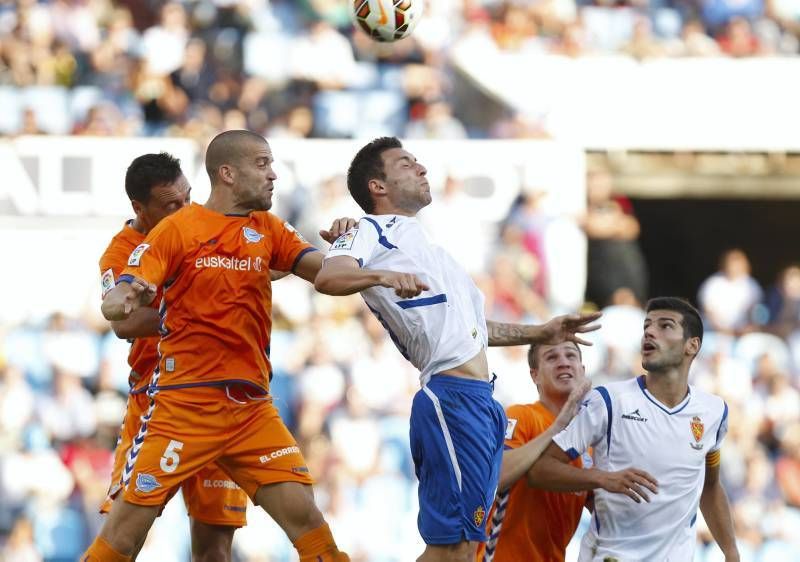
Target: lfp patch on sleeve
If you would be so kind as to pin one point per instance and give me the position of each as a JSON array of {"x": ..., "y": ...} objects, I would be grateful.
[
  {"x": 107, "y": 281},
  {"x": 512, "y": 424},
  {"x": 345, "y": 241},
  {"x": 137, "y": 253},
  {"x": 290, "y": 228}
]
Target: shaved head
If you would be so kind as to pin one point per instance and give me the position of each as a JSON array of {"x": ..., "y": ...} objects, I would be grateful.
[{"x": 229, "y": 148}]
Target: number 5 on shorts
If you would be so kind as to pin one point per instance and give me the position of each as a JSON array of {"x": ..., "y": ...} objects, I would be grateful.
[{"x": 170, "y": 459}]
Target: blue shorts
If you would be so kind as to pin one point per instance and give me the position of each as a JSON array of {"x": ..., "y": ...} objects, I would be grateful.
[{"x": 457, "y": 436}]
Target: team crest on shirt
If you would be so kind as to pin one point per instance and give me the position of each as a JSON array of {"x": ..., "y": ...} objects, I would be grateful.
[
  {"x": 252, "y": 236},
  {"x": 478, "y": 515},
  {"x": 345, "y": 241},
  {"x": 107, "y": 282},
  {"x": 697, "y": 431},
  {"x": 146, "y": 482},
  {"x": 137, "y": 253}
]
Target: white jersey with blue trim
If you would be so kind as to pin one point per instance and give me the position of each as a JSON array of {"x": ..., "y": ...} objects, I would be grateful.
[
  {"x": 629, "y": 428},
  {"x": 443, "y": 327}
]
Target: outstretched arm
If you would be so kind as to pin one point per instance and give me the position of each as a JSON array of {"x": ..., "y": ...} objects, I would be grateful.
[
  {"x": 553, "y": 472},
  {"x": 717, "y": 511},
  {"x": 341, "y": 275},
  {"x": 517, "y": 462},
  {"x": 559, "y": 329}
]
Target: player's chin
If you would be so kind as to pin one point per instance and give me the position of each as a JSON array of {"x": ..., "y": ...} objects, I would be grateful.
[
  {"x": 566, "y": 384},
  {"x": 263, "y": 205}
]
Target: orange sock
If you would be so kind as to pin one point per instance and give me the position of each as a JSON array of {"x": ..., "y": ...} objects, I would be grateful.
[
  {"x": 318, "y": 546},
  {"x": 101, "y": 551}
]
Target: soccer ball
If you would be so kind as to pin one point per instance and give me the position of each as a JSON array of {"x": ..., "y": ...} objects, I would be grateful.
[{"x": 386, "y": 20}]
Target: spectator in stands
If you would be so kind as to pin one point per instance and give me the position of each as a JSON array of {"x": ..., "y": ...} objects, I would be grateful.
[
  {"x": 20, "y": 546},
  {"x": 728, "y": 297},
  {"x": 783, "y": 302},
  {"x": 738, "y": 39},
  {"x": 695, "y": 41},
  {"x": 615, "y": 259},
  {"x": 438, "y": 122},
  {"x": 30, "y": 126},
  {"x": 643, "y": 44},
  {"x": 787, "y": 467}
]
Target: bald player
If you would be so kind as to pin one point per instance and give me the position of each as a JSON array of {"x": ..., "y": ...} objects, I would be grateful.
[{"x": 210, "y": 398}]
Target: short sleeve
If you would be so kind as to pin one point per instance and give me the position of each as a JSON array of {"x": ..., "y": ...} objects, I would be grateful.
[
  {"x": 288, "y": 246},
  {"x": 518, "y": 427},
  {"x": 722, "y": 431},
  {"x": 158, "y": 258},
  {"x": 359, "y": 243},
  {"x": 112, "y": 264},
  {"x": 589, "y": 426}
]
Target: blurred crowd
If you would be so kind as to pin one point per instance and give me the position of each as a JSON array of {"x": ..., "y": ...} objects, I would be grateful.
[
  {"x": 297, "y": 68},
  {"x": 345, "y": 392}
]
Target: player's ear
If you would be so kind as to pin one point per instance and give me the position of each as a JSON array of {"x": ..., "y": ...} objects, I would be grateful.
[
  {"x": 692, "y": 346},
  {"x": 376, "y": 187},
  {"x": 226, "y": 173},
  {"x": 138, "y": 207}
]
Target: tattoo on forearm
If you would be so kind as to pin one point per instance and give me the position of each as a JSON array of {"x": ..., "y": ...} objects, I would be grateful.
[{"x": 507, "y": 334}]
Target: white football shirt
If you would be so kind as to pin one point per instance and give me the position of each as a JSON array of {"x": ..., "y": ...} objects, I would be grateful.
[
  {"x": 443, "y": 327},
  {"x": 628, "y": 427}
]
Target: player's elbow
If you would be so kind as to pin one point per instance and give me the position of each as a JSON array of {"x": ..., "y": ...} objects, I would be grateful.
[
  {"x": 533, "y": 476},
  {"x": 109, "y": 311},
  {"x": 324, "y": 283},
  {"x": 328, "y": 282},
  {"x": 122, "y": 330}
]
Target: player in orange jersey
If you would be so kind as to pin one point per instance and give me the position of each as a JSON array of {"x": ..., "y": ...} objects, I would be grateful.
[
  {"x": 210, "y": 390},
  {"x": 528, "y": 523},
  {"x": 156, "y": 187}
]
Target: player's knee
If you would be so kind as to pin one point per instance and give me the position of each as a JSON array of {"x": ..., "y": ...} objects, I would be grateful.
[
  {"x": 211, "y": 543},
  {"x": 212, "y": 553},
  {"x": 304, "y": 513},
  {"x": 310, "y": 517}
]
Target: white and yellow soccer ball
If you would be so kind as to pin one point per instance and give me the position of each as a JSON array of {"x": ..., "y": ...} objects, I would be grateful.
[{"x": 386, "y": 20}]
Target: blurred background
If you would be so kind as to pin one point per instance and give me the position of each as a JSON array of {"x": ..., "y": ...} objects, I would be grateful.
[{"x": 583, "y": 155}]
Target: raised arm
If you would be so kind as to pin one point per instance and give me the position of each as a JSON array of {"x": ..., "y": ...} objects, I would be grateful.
[
  {"x": 516, "y": 462},
  {"x": 717, "y": 511},
  {"x": 557, "y": 330}
]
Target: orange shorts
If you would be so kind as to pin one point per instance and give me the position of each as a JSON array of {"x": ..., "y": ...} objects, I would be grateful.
[
  {"x": 190, "y": 428},
  {"x": 210, "y": 496}
]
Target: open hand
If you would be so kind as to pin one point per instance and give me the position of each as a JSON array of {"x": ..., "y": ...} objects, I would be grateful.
[
  {"x": 568, "y": 326},
  {"x": 632, "y": 482}
]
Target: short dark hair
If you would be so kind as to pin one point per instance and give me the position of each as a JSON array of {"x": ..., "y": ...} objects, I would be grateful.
[
  {"x": 148, "y": 171},
  {"x": 533, "y": 354},
  {"x": 228, "y": 147},
  {"x": 690, "y": 317},
  {"x": 368, "y": 165}
]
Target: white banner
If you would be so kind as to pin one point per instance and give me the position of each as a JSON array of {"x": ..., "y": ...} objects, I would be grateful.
[{"x": 616, "y": 102}]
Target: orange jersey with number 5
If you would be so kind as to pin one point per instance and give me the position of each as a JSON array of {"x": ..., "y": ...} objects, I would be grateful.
[{"x": 217, "y": 296}]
